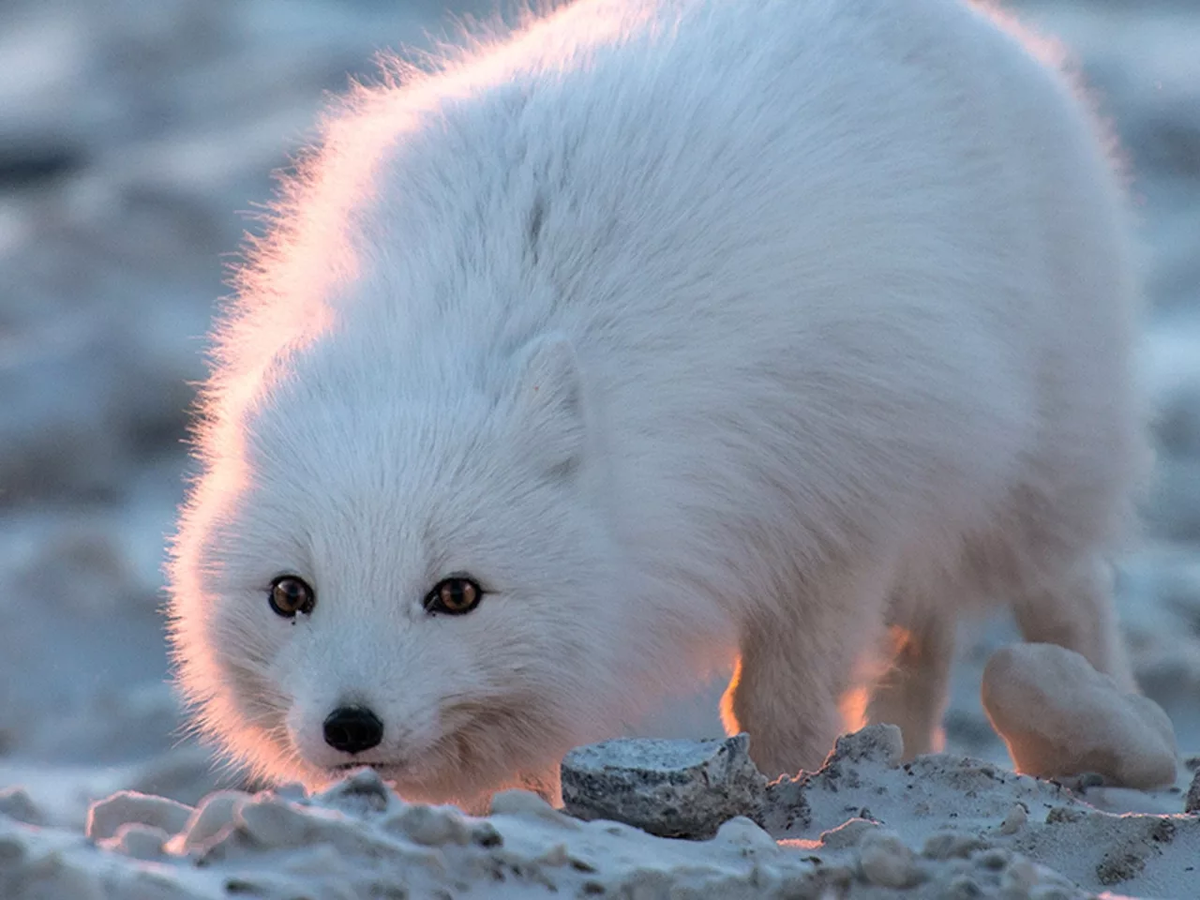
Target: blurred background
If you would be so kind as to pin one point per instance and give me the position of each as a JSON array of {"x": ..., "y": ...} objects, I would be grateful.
[{"x": 138, "y": 137}]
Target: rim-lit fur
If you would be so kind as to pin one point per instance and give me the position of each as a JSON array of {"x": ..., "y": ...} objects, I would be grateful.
[{"x": 693, "y": 330}]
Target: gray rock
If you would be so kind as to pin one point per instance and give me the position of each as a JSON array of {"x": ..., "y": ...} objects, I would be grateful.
[{"x": 669, "y": 788}]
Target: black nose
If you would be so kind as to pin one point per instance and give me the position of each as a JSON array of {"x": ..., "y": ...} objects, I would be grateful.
[{"x": 353, "y": 729}]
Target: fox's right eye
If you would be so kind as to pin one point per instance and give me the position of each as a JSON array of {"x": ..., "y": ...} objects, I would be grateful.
[{"x": 290, "y": 595}]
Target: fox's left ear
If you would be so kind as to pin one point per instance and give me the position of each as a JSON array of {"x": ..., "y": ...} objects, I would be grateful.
[{"x": 549, "y": 401}]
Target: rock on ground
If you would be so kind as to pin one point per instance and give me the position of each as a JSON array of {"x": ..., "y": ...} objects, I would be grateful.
[{"x": 668, "y": 788}]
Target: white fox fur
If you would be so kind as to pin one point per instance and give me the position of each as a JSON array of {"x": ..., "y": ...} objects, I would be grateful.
[{"x": 693, "y": 330}]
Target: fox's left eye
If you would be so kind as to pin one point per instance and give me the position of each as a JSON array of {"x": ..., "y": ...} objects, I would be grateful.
[
  {"x": 453, "y": 596},
  {"x": 290, "y": 595}
]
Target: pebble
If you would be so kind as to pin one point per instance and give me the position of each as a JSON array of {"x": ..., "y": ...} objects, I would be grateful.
[
  {"x": 1016, "y": 819},
  {"x": 747, "y": 834}
]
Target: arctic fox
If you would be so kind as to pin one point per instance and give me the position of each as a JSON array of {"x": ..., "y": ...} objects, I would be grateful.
[{"x": 656, "y": 336}]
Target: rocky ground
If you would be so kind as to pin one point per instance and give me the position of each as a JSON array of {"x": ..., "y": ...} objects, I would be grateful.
[{"x": 136, "y": 140}]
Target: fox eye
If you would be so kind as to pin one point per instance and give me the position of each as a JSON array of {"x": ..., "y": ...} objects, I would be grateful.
[
  {"x": 453, "y": 596},
  {"x": 290, "y": 595}
]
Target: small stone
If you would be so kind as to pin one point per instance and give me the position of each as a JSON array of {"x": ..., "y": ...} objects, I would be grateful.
[
  {"x": 16, "y": 803},
  {"x": 748, "y": 835},
  {"x": 1059, "y": 814},
  {"x": 106, "y": 816},
  {"x": 1016, "y": 819},
  {"x": 668, "y": 788},
  {"x": 886, "y": 861},
  {"x": 1118, "y": 867},
  {"x": 848, "y": 834},
  {"x": 1061, "y": 717},
  {"x": 1191, "y": 803}
]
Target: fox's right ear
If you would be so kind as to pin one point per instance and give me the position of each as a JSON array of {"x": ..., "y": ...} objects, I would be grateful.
[{"x": 548, "y": 401}]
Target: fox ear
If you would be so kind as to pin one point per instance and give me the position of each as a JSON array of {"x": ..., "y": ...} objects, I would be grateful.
[{"x": 549, "y": 409}]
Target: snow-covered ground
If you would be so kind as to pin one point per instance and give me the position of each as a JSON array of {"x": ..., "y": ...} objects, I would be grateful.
[{"x": 136, "y": 135}]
